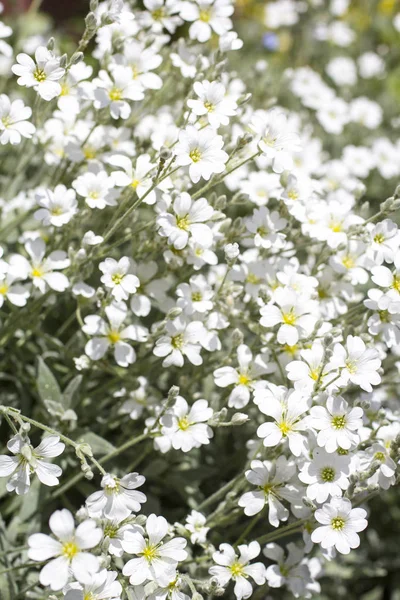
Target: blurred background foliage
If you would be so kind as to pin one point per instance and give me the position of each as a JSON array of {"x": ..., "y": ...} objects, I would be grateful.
[{"x": 372, "y": 572}]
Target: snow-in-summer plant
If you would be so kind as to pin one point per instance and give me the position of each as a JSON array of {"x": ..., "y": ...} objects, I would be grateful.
[{"x": 199, "y": 299}]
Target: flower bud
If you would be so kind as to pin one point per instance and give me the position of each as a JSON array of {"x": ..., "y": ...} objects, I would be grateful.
[
  {"x": 239, "y": 418},
  {"x": 50, "y": 44},
  {"x": 63, "y": 61},
  {"x": 231, "y": 251},
  {"x": 76, "y": 58},
  {"x": 173, "y": 393},
  {"x": 237, "y": 337},
  {"x": 165, "y": 153},
  {"x": 173, "y": 313},
  {"x": 94, "y": 4},
  {"x": 90, "y": 22}
]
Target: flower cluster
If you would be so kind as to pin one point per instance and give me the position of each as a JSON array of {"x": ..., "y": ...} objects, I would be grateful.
[{"x": 200, "y": 285}]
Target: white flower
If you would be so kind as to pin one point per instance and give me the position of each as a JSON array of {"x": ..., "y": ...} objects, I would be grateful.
[
  {"x": 195, "y": 296},
  {"x": 42, "y": 75},
  {"x": 309, "y": 371},
  {"x": 196, "y": 525},
  {"x": 207, "y": 16},
  {"x": 15, "y": 293},
  {"x": 326, "y": 475},
  {"x": 117, "y": 278},
  {"x": 336, "y": 424},
  {"x": 28, "y": 460},
  {"x": 41, "y": 270},
  {"x": 13, "y": 121},
  {"x": 275, "y": 481},
  {"x": 265, "y": 227},
  {"x": 237, "y": 568},
  {"x": 100, "y": 586},
  {"x": 213, "y": 103},
  {"x": 137, "y": 178},
  {"x": 114, "y": 90},
  {"x": 118, "y": 498},
  {"x": 286, "y": 408},
  {"x": 161, "y": 13},
  {"x": 290, "y": 570},
  {"x": 142, "y": 60},
  {"x": 334, "y": 115},
  {"x": 294, "y": 316},
  {"x": 340, "y": 525},
  {"x": 356, "y": 364},
  {"x": 384, "y": 241},
  {"x": 69, "y": 550},
  {"x": 156, "y": 560},
  {"x": 187, "y": 222},
  {"x": 201, "y": 150},
  {"x": 96, "y": 188},
  {"x": 113, "y": 335},
  {"x": 276, "y": 140},
  {"x": 58, "y": 206},
  {"x": 385, "y": 476},
  {"x": 182, "y": 339},
  {"x": 386, "y": 320},
  {"x": 185, "y": 427},
  {"x": 244, "y": 377}
]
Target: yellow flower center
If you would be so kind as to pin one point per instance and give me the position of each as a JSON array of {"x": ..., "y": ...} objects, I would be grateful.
[
  {"x": 351, "y": 366},
  {"x": 339, "y": 422},
  {"x": 177, "y": 341},
  {"x": 291, "y": 349},
  {"x": 314, "y": 374},
  {"x": 89, "y": 596},
  {"x": 115, "y": 94},
  {"x": 284, "y": 427},
  {"x": 183, "y": 222},
  {"x": 348, "y": 262},
  {"x": 244, "y": 379},
  {"x": 183, "y": 423},
  {"x": 135, "y": 183},
  {"x": 158, "y": 13},
  {"x": 150, "y": 552},
  {"x": 56, "y": 211},
  {"x": 114, "y": 337},
  {"x": 384, "y": 316},
  {"x": 251, "y": 278},
  {"x": 94, "y": 195},
  {"x": 3, "y": 289},
  {"x": 37, "y": 272},
  {"x": 6, "y": 121},
  {"x": 396, "y": 283},
  {"x": 289, "y": 318},
  {"x": 110, "y": 530},
  {"x": 117, "y": 278},
  {"x": 39, "y": 75},
  {"x": 195, "y": 155},
  {"x": 379, "y": 238},
  {"x": 236, "y": 569},
  {"x": 209, "y": 106},
  {"x": 205, "y": 15},
  {"x": 196, "y": 296},
  {"x": 64, "y": 89},
  {"x": 379, "y": 456},
  {"x": 337, "y": 523},
  {"x": 89, "y": 153},
  {"x": 69, "y": 550},
  {"x": 328, "y": 474},
  {"x": 335, "y": 226},
  {"x": 293, "y": 195}
]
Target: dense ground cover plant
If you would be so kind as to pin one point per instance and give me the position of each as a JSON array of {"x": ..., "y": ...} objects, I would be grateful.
[{"x": 200, "y": 301}]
